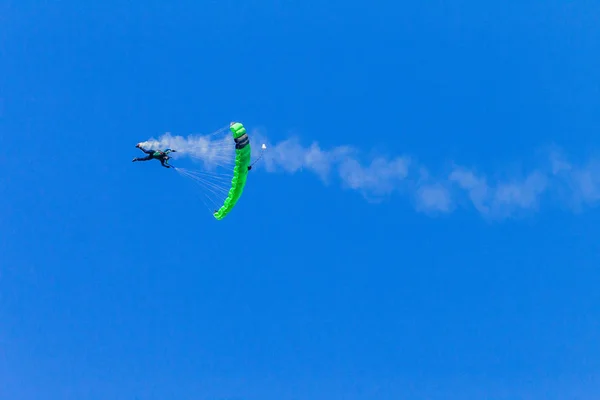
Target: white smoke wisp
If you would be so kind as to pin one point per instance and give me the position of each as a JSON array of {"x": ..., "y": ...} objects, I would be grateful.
[
  {"x": 504, "y": 199},
  {"x": 212, "y": 149},
  {"x": 380, "y": 177}
]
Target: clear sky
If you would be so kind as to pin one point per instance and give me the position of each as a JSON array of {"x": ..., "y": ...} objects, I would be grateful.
[{"x": 424, "y": 225}]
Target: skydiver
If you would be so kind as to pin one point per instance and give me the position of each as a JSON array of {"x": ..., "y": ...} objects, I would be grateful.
[{"x": 162, "y": 156}]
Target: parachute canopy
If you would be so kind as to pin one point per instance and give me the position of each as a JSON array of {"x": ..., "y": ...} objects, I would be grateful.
[{"x": 240, "y": 169}]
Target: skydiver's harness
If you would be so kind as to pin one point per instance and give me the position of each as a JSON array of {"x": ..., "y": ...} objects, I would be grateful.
[
  {"x": 158, "y": 154},
  {"x": 163, "y": 157}
]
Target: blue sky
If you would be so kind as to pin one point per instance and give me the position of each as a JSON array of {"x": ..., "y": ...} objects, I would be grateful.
[{"x": 423, "y": 225}]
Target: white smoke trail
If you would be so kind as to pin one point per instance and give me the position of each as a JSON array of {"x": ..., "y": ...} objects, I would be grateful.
[
  {"x": 212, "y": 149},
  {"x": 379, "y": 177}
]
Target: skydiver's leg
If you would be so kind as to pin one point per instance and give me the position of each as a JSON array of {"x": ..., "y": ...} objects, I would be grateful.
[
  {"x": 147, "y": 158},
  {"x": 163, "y": 163}
]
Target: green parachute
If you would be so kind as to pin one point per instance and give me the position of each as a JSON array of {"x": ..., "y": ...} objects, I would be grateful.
[{"x": 240, "y": 170}]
